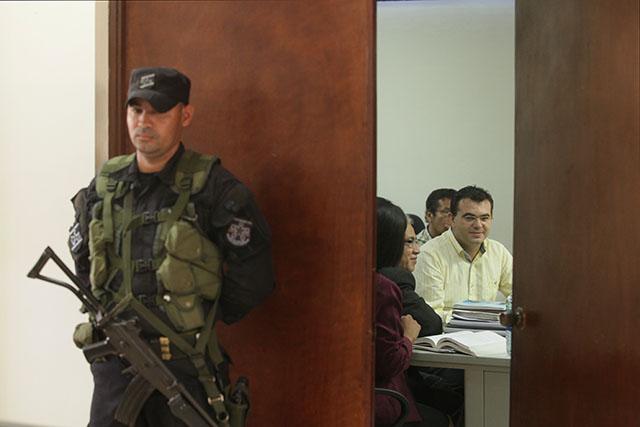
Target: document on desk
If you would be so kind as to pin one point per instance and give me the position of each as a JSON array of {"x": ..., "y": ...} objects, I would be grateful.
[
  {"x": 486, "y": 306},
  {"x": 476, "y": 316},
  {"x": 480, "y": 344},
  {"x": 474, "y": 324}
]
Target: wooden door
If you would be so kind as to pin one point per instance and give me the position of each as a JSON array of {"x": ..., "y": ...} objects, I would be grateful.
[
  {"x": 577, "y": 198},
  {"x": 284, "y": 94}
]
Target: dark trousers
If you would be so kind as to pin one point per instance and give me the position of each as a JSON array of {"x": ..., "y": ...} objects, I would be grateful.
[
  {"x": 430, "y": 418},
  {"x": 439, "y": 388}
]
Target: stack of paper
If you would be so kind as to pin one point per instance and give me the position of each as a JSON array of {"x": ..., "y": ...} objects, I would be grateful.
[{"x": 476, "y": 315}]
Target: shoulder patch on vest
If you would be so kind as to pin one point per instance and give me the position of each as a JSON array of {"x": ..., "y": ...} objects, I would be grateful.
[
  {"x": 239, "y": 232},
  {"x": 75, "y": 237}
]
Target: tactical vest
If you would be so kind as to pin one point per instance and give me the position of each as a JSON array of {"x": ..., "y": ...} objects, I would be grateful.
[{"x": 187, "y": 266}]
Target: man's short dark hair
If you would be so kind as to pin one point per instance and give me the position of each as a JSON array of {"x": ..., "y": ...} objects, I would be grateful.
[
  {"x": 471, "y": 192},
  {"x": 417, "y": 223},
  {"x": 433, "y": 201}
]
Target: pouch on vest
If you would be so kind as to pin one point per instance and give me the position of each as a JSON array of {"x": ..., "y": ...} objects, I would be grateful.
[
  {"x": 237, "y": 413},
  {"x": 83, "y": 335},
  {"x": 102, "y": 272},
  {"x": 189, "y": 272},
  {"x": 97, "y": 254},
  {"x": 237, "y": 404}
]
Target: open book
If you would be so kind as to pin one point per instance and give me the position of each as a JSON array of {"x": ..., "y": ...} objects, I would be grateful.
[{"x": 482, "y": 344}]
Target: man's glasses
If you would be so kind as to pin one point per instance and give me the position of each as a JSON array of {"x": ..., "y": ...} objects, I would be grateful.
[{"x": 470, "y": 218}]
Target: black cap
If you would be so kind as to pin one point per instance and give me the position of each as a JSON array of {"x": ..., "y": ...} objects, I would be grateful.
[{"x": 162, "y": 87}]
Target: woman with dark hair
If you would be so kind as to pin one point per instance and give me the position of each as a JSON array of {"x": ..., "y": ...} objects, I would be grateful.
[
  {"x": 401, "y": 274},
  {"x": 440, "y": 388},
  {"x": 395, "y": 333}
]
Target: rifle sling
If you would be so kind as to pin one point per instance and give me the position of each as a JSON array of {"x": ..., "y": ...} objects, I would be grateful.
[
  {"x": 188, "y": 166},
  {"x": 196, "y": 354}
]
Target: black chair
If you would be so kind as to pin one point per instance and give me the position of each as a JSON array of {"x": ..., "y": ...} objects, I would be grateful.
[{"x": 404, "y": 404}]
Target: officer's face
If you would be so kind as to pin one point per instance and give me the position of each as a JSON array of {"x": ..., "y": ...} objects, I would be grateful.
[{"x": 155, "y": 135}]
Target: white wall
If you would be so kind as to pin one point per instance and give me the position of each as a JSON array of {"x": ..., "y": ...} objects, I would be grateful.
[
  {"x": 46, "y": 154},
  {"x": 445, "y": 73}
]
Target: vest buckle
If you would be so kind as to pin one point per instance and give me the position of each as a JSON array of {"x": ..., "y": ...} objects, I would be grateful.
[
  {"x": 185, "y": 183},
  {"x": 149, "y": 217},
  {"x": 142, "y": 265}
]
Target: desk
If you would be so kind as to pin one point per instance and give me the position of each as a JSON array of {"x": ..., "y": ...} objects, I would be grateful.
[{"x": 486, "y": 385}]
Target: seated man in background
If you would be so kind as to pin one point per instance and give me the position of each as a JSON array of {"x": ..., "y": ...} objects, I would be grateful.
[
  {"x": 437, "y": 214},
  {"x": 463, "y": 263}
]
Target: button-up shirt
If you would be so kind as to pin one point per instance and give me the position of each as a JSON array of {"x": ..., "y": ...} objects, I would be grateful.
[{"x": 446, "y": 274}]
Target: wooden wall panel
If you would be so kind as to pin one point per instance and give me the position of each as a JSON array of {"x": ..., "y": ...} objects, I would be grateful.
[
  {"x": 284, "y": 93},
  {"x": 576, "y": 234}
]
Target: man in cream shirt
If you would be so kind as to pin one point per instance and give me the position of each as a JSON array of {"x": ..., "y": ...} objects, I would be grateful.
[{"x": 463, "y": 263}]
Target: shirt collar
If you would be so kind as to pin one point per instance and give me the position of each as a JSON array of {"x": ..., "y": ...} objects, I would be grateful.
[
  {"x": 166, "y": 175},
  {"x": 426, "y": 230},
  {"x": 459, "y": 250}
]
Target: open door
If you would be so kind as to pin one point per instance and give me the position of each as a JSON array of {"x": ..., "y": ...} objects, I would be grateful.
[
  {"x": 284, "y": 94},
  {"x": 577, "y": 199}
]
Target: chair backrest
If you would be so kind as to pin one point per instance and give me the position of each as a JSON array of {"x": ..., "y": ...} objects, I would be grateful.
[{"x": 404, "y": 404}]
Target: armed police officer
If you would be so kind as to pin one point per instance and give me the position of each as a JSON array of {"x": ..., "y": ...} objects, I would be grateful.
[{"x": 169, "y": 237}]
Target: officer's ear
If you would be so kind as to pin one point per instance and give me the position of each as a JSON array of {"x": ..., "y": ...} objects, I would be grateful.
[{"x": 187, "y": 115}]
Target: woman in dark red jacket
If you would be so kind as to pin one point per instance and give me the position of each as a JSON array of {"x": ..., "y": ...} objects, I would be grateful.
[{"x": 395, "y": 333}]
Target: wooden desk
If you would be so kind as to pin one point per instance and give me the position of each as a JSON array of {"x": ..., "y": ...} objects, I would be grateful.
[{"x": 486, "y": 385}]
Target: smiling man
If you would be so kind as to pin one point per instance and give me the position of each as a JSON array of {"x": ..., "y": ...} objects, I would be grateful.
[{"x": 463, "y": 263}]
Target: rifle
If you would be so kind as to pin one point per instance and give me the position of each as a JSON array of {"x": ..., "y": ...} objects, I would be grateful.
[{"x": 123, "y": 340}]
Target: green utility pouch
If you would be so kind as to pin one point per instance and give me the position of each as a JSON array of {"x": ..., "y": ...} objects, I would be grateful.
[
  {"x": 185, "y": 312},
  {"x": 189, "y": 272},
  {"x": 237, "y": 413},
  {"x": 98, "y": 254},
  {"x": 237, "y": 403},
  {"x": 83, "y": 335}
]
